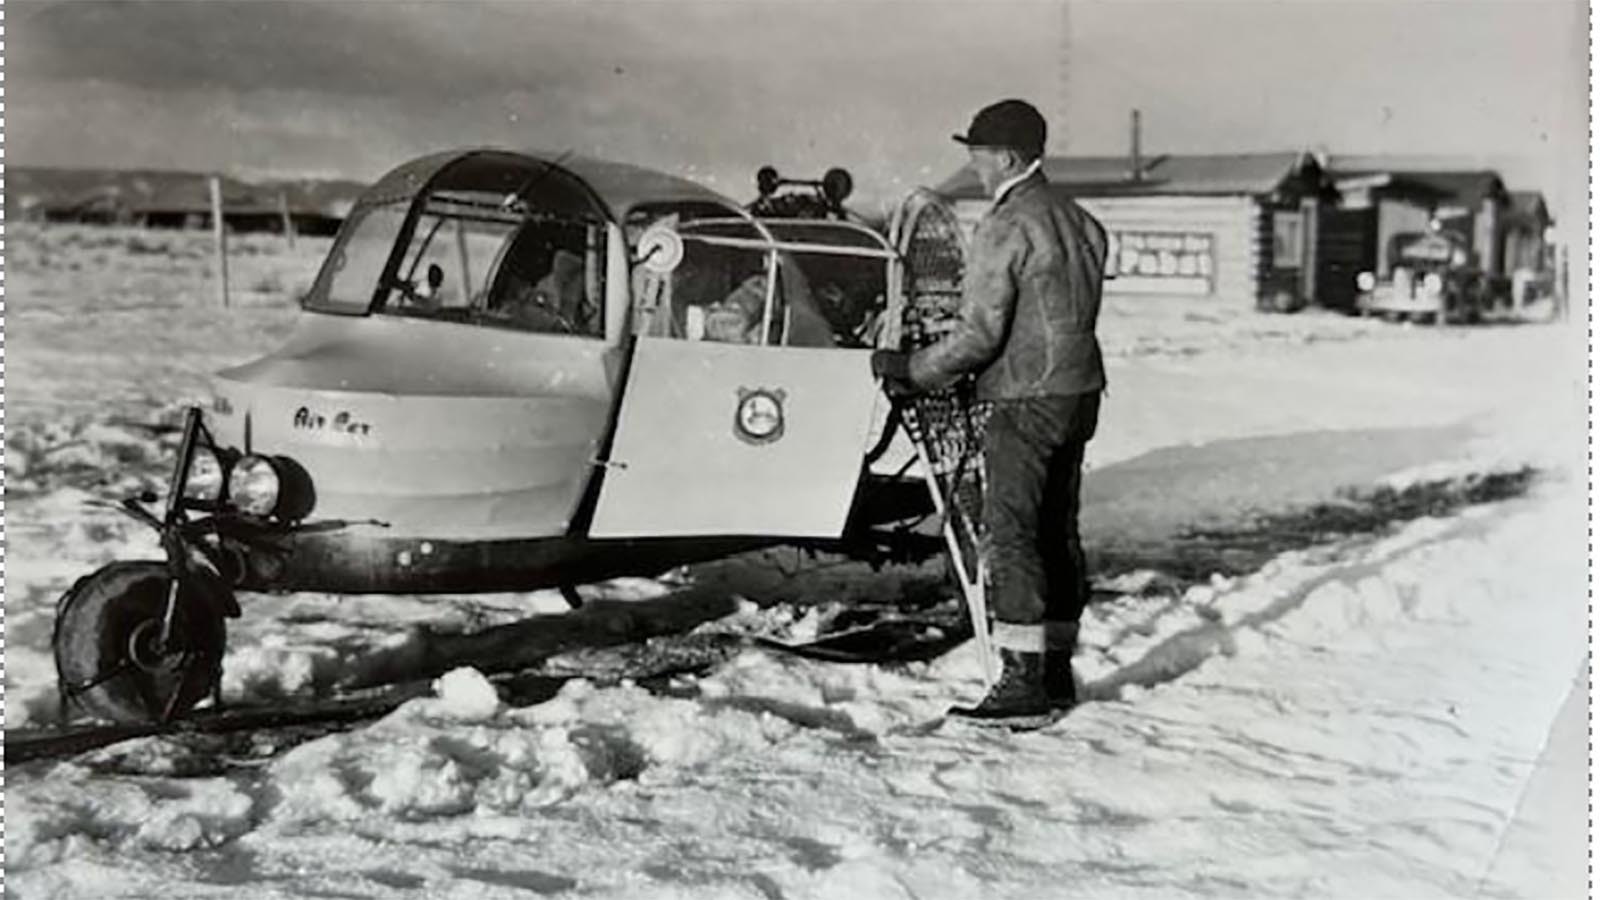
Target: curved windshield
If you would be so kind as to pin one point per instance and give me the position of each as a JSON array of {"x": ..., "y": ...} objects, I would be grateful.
[
  {"x": 471, "y": 258},
  {"x": 488, "y": 238},
  {"x": 350, "y": 274}
]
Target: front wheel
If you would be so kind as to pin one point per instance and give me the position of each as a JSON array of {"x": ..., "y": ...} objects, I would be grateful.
[{"x": 109, "y": 655}]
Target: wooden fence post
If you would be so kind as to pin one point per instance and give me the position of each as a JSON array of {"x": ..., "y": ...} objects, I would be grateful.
[
  {"x": 288, "y": 221},
  {"x": 219, "y": 234}
]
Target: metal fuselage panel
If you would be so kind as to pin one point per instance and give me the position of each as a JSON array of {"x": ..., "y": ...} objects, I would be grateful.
[{"x": 437, "y": 431}]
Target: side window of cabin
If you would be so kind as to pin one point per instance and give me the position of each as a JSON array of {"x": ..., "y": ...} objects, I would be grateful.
[
  {"x": 721, "y": 290},
  {"x": 848, "y": 281},
  {"x": 720, "y": 294},
  {"x": 846, "y": 300},
  {"x": 550, "y": 279},
  {"x": 831, "y": 280}
]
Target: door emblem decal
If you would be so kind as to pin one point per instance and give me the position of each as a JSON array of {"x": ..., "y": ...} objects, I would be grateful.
[{"x": 758, "y": 418}]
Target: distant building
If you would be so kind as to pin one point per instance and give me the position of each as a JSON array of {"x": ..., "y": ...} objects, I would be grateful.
[
  {"x": 1281, "y": 230},
  {"x": 1527, "y": 228},
  {"x": 1505, "y": 230},
  {"x": 1467, "y": 202},
  {"x": 1230, "y": 226}
]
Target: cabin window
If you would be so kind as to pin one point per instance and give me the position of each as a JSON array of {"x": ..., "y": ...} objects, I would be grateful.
[
  {"x": 847, "y": 298},
  {"x": 771, "y": 284},
  {"x": 447, "y": 262},
  {"x": 720, "y": 294},
  {"x": 473, "y": 259},
  {"x": 549, "y": 279},
  {"x": 727, "y": 294},
  {"x": 1287, "y": 240},
  {"x": 848, "y": 289}
]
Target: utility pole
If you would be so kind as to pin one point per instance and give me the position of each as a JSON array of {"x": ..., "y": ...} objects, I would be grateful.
[
  {"x": 219, "y": 236},
  {"x": 1135, "y": 152},
  {"x": 1064, "y": 86}
]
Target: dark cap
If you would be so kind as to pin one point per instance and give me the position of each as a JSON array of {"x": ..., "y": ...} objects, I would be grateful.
[{"x": 1009, "y": 123}]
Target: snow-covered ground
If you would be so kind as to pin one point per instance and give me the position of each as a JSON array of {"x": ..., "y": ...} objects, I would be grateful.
[{"x": 1396, "y": 714}]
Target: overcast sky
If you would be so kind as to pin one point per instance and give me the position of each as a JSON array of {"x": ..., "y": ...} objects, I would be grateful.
[{"x": 715, "y": 89}]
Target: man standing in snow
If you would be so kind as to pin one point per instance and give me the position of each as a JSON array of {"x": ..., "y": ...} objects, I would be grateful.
[{"x": 1030, "y": 301}]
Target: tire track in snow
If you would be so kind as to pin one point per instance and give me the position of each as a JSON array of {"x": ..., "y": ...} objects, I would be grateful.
[{"x": 1185, "y": 651}]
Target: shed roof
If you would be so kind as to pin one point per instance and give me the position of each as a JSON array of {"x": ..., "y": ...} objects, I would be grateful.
[
  {"x": 1188, "y": 174},
  {"x": 1464, "y": 181},
  {"x": 1391, "y": 184},
  {"x": 1530, "y": 206}
]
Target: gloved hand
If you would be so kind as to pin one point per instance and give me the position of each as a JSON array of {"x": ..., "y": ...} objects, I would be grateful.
[
  {"x": 894, "y": 367},
  {"x": 891, "y": 364}
]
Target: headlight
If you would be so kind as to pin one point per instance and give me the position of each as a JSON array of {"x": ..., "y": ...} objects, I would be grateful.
[
  {"x": 254, "y": 485},
  {"x": 1366, "y": 281},
  {"x": 205, "y": 477},
  {"x": 1432, "y": 283}
]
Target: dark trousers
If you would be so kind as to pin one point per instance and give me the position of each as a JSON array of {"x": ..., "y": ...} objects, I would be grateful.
[{"x": 1038, "y": 577}]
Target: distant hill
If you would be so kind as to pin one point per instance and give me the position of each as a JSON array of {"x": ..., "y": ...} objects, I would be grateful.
[{"x": 161, "y": 197}]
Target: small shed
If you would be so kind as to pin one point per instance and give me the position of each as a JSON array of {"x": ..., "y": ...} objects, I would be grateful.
[
  {"x": 1527, "y": 227},
  {"x": 1393, "y": 206}
]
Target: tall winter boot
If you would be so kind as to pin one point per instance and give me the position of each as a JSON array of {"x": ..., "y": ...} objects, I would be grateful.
[
  {"x": 1060, "y": 687},
  {"x": 1017, "y": 695}
]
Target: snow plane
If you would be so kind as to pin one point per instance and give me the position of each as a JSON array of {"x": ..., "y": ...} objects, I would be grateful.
[{"x": 520, "y": 370}]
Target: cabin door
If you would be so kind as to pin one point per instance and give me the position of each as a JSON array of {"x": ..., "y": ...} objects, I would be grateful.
[{"x": 736, "y": 439}]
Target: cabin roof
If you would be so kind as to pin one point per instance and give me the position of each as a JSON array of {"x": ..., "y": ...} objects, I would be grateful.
[
  {"x": 1530, "y": 206},
  {"x": 1464, "y": 181},
  {"x": 618, "y": 186}
]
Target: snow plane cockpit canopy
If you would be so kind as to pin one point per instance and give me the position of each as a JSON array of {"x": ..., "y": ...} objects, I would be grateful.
[
  {"x": 499, "y": 239},
  {"x": 523, "y": 242}
]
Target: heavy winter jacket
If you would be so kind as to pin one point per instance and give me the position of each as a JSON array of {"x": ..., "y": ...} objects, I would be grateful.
[{"x": 1030, "y": 300}]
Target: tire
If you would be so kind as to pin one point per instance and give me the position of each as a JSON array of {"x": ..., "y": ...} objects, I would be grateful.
[{"x": 106, "y": 625}]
